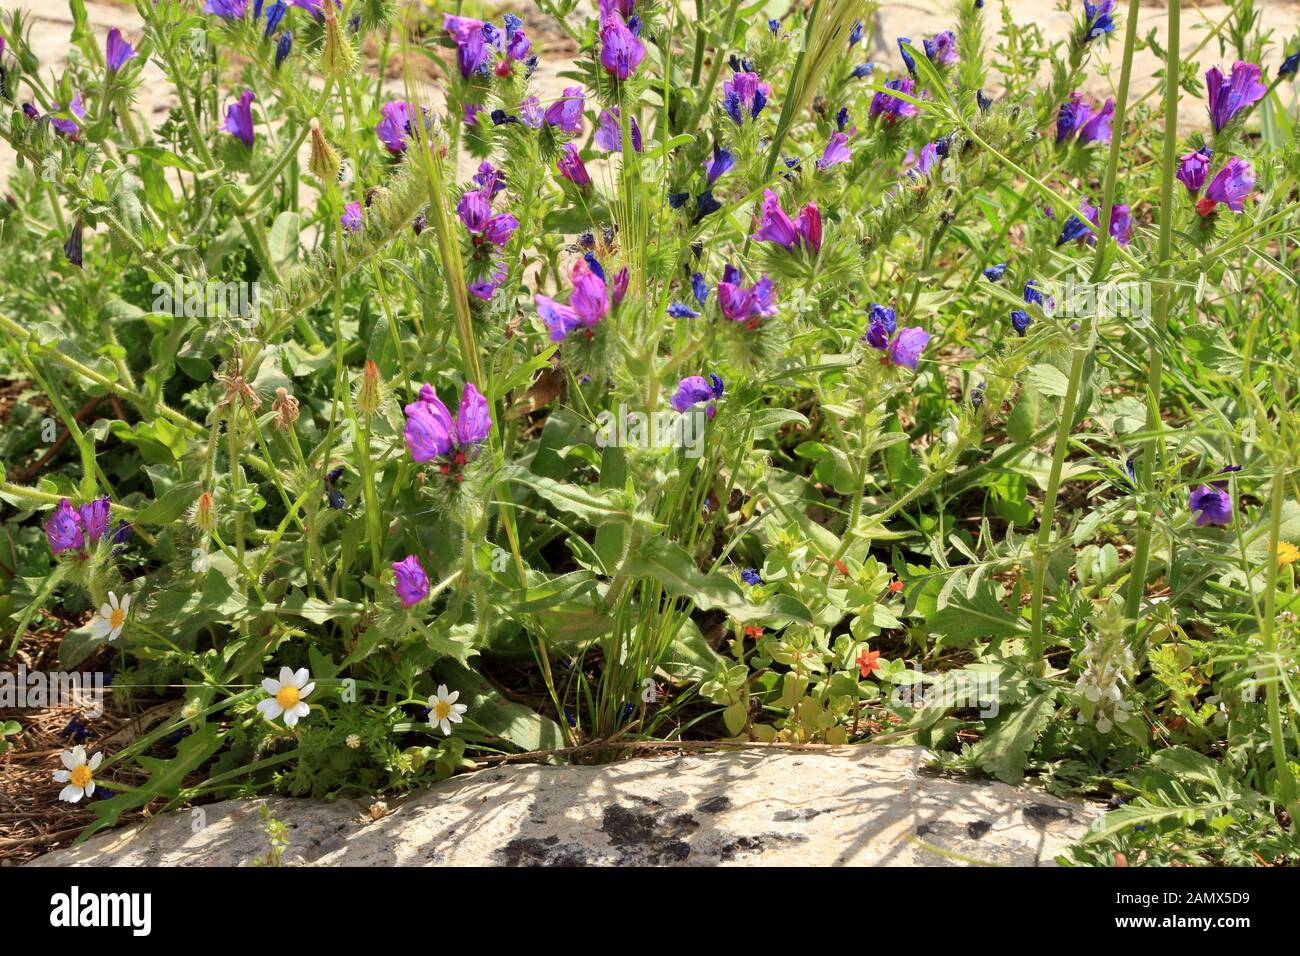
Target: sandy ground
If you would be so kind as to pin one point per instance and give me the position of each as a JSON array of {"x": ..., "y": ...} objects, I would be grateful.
[{"x": 51, "y": 25}]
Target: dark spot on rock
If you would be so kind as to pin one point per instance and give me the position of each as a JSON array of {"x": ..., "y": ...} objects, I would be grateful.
[
  {"x": 1041, "y": 814},
  {"x": 923, "y": 829},
  {"x": 531, "y": 851},
  {"x": 648, "y": 838},
  {"x": 977, "y": 828},
  {"x": 782, "y": 816},
  {"x": 745, "y": 844},
  {"x": 715, "y": 805}
]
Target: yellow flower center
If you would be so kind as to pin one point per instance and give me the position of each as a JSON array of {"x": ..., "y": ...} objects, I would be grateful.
[
  {"x": 441, "y": 710},
  {"x": 1287, "y": 553},
  {"x": 116, "y": 618},
  {"x": 287, "y": 697},
  {"x": 80, "y": 776}
]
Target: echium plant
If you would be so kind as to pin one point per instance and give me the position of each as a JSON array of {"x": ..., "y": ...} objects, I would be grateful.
[{"x": 417, "y": 391}]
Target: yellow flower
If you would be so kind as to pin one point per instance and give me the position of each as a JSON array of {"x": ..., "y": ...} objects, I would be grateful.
[{"x": 1287, "y": 553}]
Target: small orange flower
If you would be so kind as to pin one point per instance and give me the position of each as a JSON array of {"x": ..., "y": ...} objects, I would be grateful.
[
  {"x": 841, "y": 567},
  {"x": 867, "y": 662},
  {"x": 895, "y": 587},
  {"x": 753, "y": 630}
]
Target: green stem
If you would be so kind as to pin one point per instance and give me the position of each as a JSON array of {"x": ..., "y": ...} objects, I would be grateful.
[
  {"x": 1155, "y": 365},
  {"x": 1270, "y": 673},
  {"x": 1081, "y": 348}
]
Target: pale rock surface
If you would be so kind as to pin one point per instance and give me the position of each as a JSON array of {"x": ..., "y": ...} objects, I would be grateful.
[{"x": 859, "y": 806}]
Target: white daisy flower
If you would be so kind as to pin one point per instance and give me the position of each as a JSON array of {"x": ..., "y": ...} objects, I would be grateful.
[
  {"x": 287, "y": 695},
  {"x": 112, "y": 617},
  {"x": 79, "y": 774},
  {"x": 443, "y": 709}
]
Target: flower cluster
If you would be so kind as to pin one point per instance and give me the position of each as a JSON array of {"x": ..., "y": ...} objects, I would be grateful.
[{"x": 432, "y": 435}]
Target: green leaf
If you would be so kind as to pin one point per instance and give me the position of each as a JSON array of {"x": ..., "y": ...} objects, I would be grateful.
[
  {"x": 166, "y": 777},
  {"x": 966, "y": 619},
  {"x": 670, "y": 566},
  {"x": 1004, "y": 751}
]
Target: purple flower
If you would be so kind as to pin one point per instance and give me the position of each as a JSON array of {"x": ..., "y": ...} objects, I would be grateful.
[
  {"x": 751, "y": 576},
  {"x": 430, "y": 432},
  {"x": 745, "y": 305},
  {"x": 572, "y": 168},
  {"x": 1097, "y": 19},
  {"x": 942, "y": 50},
  {"x": 590, "y": 298},
  {"x": 774, "y": 225},
  {"x": 680, "y": 310},
  {"x": 483, "y": 289},
  {"x": 1020, "y": 320},
  {"x": 70, "y": 127},
  {"x": 410, "y": 583},
  {"x": 274, "y": 14},
  {"x": 351, "y": 218},
  {"x": 891, "y": 107},
  {"x": 903, "y": 43},
  {"x": 470, "y": 117},
  {"x": 1121, "y": 223},
  {"x": 609, "y": 132},
  {"x": 517, "y": 42},
  {"x": 695, "y": 389},
  {"x": 473, "y": 420},
  {"x": 744, "y": 96},
  {"x": 621, "y": 52},
  {"x": 95, "y": 518},
  {"x": 1077, "y": 117},
  {"x": 230, "y": 9},
  {"x": 925, "y": 163},
  {"x": 1076, "y": 228},
  {"x": 994, "y": 273},
  {"x": 392, "y": 129},
  {"x": 907, "y": 346},
  {"x": 566, "y": 112},
  {"x": 283, "y": 47},
  {"x": 716, "y": 165},
  {"x": 239, "y": 119},
  {"x": 699, "y": 288},
  {"x": 1034, "y": 296},
  {"x": 64, "y": 530},
  {"x": 558, "y": 318},
  {"x": 1213, "y": 504},
  {"x": 474, "y": 210},
  {"x": 837, "y": 151},
  {"x": 1289, "y": 66},
  {"x": 809, "y": 225},
  {"x": 881, "y": 324},
  {"x": 1230, "y": 186},
  {"x": 588, "y": 304},
  {"x": 624, "y": 8},
  {"x": 500, "y": 228},
  {"x": 530, "y": 111},
  {"x": 1193, "y": 168},
  {"x": 1242, "y": 90},
  {"x": 117, "y": 50},
  {"x": 471, "y": 49}
]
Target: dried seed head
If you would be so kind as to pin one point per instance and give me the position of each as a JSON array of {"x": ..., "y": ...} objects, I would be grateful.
[
  {"x": 285, "y": 407},
  {"x": 324, "y": 161},
  {"x": 369, "y": 395},
  {"x": 337, "y": 59},
  {"x": 203, "y": 514}
]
